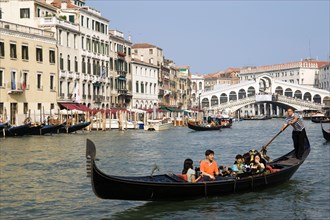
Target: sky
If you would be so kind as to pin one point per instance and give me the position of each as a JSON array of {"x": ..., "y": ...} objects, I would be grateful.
[{"x": 211, "y": 36}]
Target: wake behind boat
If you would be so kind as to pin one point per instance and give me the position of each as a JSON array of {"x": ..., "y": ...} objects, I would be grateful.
[{"x": 171, "y": 187}]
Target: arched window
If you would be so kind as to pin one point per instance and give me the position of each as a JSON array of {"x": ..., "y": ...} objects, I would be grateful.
[
  {"x": 214, "y": 101},
  {"x": 232, "y": 96},
  {"x": 251, "y": 91},
  {"x": 205, "y": 103},
  {"x": 298, "y": 94},
  {"x": 317, "y": 98},
  {"x": 279, "y": 90},
  {"x": 288, "y": 92},
  {"x": 137, "y": 86},
  {"x": 223, "y": 98},
  {"x": 241, "y": 94}
]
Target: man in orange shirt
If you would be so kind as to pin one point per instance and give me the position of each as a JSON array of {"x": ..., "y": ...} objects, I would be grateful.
[{"x": 208, "y": 167}]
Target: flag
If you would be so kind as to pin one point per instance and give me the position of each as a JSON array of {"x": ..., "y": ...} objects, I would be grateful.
[{"x": 23, "y": 80}]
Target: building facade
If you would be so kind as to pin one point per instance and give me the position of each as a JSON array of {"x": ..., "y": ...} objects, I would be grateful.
[
  {"x": 28, "y": 72},
  {"x": 324, "y": 77},
  {"x": 144, "y": 84}
]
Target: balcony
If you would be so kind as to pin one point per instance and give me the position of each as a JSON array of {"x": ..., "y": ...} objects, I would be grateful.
[
  {"x": 121, "y": 54},
  {"x": 85, "y": 77},
  {"x": 77, "y": 75},
  {"x": 53, "y": 21},
  {"x": 98, "y": 98},
  {"x": 62, "y": 73},
  {"x": 26, "y": 29},
  {"x": 84, "y": 96},
  {"x": 62, "y": 96},
  {"x": 122, "y": 91},
  {"x": 70, "y": 75}
]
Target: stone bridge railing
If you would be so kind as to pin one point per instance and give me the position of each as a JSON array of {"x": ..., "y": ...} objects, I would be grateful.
[
  {"x": 234, "y": 105},
  {"x": 300, "y": 102}
]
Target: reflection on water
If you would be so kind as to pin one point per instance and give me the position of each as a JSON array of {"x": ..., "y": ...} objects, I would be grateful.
[{"x": 45, "y": 177}]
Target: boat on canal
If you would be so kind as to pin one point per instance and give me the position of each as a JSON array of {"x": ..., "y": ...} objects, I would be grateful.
[
  {"x": 73, "y": 128},
  {"x": 44, "y": 129},
  {"x": 326, "y": 134},
  {"x": 172, "y": 187},
  {"x": 11, "y": 131},
  {"x": 203, "y": 127},
  {"x": 158, "y": 125}
]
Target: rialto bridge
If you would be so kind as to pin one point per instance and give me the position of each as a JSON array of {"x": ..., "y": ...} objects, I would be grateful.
[{"x": 264, "y": 95}]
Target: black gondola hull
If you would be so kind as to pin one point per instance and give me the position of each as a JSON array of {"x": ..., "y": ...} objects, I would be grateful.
[
  {"x": 172, "y": 187},
  {"x": 326, "y": 134},
  {"x": 73, "y": 128}
]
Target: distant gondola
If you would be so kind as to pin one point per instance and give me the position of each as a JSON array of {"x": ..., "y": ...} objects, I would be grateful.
[
  {"x": 172, "y": 187},
  {"x": 326, "y": 134},
  {"x": 203, "y": 128},
  {"x": 320, "y": 119},
  {"x": 73, "y": 128}
]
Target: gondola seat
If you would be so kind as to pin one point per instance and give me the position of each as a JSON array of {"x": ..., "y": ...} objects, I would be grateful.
[{"x": 183, "y": 176}]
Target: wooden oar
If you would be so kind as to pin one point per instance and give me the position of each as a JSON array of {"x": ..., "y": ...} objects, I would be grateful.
[{"x": 264, "y": 148}]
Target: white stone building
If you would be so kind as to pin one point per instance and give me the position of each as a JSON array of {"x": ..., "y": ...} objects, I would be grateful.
[
  {"x": 144, "y": 84},
  {"x": 197, "y": 87},
  {"x": 302, "y": 72},
  {"x": 324, "y": 77}
]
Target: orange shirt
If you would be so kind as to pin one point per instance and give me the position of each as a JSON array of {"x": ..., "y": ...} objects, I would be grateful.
[{"x": 209, "y": 168}]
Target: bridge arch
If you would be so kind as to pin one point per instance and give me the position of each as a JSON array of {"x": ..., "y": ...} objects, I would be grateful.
[
  {"x": 251, "y": 91},
  {"x": 232, "y": 96},
  {"x": 214, "y": 101},
  {"x": 205, "y": 103},
  {"x": 307, "y": 96},
  {"x": 317, "y": 98},
  {"x": 288, "y": 92},
  {"x": 298, "y": 94},
  {"x": 241, "y": 94},
  {"x": 279, "y": 90},
  {"x": 223, "y": 98}
]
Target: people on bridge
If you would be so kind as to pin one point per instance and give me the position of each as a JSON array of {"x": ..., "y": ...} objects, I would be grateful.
[
  {"x": 208, "y": 166},
  {"x": 298, "y": 133}
]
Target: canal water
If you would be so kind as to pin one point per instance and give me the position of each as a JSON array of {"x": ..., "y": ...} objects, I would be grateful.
[{"x": 44, "y": 177}]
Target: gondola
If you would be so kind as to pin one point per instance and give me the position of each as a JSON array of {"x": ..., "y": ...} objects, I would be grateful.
[
  {"x": 203, "y": 128},
  {"x": 44, "y": 129},
  {"x": 73, "y": 128},
  {"x": 11, "y": 131},
  {"x": 171, "y": 187},
  {"x": 326, "y": 134},
  {"x": 320, "y": 119}
]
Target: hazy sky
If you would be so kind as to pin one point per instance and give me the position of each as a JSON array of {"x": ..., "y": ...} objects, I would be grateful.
[{"x": 210, "y": 36}]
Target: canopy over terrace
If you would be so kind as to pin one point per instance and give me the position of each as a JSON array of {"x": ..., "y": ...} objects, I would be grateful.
[{"x": 74, "y": 106}]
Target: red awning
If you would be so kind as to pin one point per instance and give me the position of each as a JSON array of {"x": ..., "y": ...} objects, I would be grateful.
[{"x": 76, "y": 106}]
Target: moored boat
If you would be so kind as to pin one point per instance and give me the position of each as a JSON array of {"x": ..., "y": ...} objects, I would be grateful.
[
  {"x": 11, "y": 131},
  {"x": 320, "y": 119},
  {"x": 326, "y": 134},
  {"x": 73, "y": 128},
  {"x": 158, "y": 125},
  {"x": 171, "y": 187}
]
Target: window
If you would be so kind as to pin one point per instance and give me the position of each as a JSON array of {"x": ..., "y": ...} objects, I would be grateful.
[
  {"x": 68, "y": 39},
  {"x": 137, "y": 86},
  {"x": 83, "y": 65},
  {"x": 52, "y": 106},
  {"x": 51, "y": 82},
  {"x": 60, "y": 37},
  {"x": 25, "y": 52},
  {"x": 61, "y": 62},
  {"x": 0, "y": 13},
  {"x": 75, "y": 41},
  {"x": 150, "y": 51},
  {"x": 69, "y": 63},
  {"x": 24, "y": 13},
  {"x": 71, "y": 18},
  {"x": 82, "y": 21},
  {"x": 13, "y": 52},
  {"x": 87, "y": 22},
  {"x": 82, "y": 43},
  {"x": 51, "y": 56},
  {"x": 39, "y": 106},
  {"x": 1, "y": 78},
  {"x": 25, "y": 108},
  {"x": 2, "y": 49},
  {"x": 75, "y": 64},
  {"x": 39, "y": 54},
  {"x": 13, "y": 80},
  {"x": 39, "y": 81},
  {"x": 24, "y": 82}
]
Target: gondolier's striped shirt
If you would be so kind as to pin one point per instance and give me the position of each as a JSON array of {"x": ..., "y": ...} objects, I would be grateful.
[{"x": 298, "y": 126}]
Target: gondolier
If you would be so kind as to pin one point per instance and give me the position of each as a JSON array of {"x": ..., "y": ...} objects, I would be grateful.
[{"x": 298, "y": 133}]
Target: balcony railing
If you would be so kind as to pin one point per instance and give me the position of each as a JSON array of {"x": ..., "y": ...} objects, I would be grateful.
[
  {"x": 70, "y": 75},
  {"x": 62, "y": 74},
  {"x": 77, "y": 75}
]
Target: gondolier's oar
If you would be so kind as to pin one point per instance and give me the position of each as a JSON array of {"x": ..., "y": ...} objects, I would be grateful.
[{"x": 263, "y": 150}]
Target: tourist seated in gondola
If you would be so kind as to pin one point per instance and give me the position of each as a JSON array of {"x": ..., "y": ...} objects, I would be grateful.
[
  {"x": 257, "y": 166},
  {"x": 208, "y": 166},
  {"x": 189, "y": 171},
  {"x": 237, "y": 167}
]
